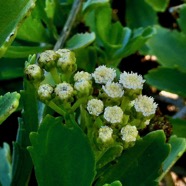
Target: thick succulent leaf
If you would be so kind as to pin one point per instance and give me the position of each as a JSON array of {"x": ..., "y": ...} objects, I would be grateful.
[
  {"x": 182, "y": 18},
  {"x": 169, "y": 47},
  {"x": 10, "y": 69},
  {"x": 179, "y": 126},
  {"x": 22, "y": 164},
  {"x": 15, "y": 12},
  {"x": 171, "y": 80},
  {"x": 8, "y": 104},
  {"x": 63, "y": 152},
  {"x": 158, "y": 5},
  {"x": 80, "y": 41},
  {"x": 139, "y": 14},
  {"x": 178, "y": 147},
  {"x": 24, "y": 51},
  {"x": 5, "y": 165},
  {"x": 92, "y": 4},
  {"x": 135, "y": 166}
]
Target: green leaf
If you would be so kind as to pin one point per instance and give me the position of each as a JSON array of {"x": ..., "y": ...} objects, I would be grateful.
[
  {"x": 169, "y": 47},
  {"x": 62, "y": 152},
  {"x": 178, "y": 147},
  {"x": 167, "y": 79},
  {"x": 15, "y": 12},
  {"x": 80, "y": 41},
  {"x": 141, "y": 164},
  {"x": 179, "y": 127},
  {"x": 8, "y": 104},
  {"x": 115, "y": 183},
  {"x": 5, "y": 165},
  {"x": 10, "y": 69},
  {"x": 24, "y": 51},
  {"x": 139, "y": 14},
  {"x": 182, "y": 18},
  {"x": 22, "y": 164},
  {"x": 158, "y": 5}
]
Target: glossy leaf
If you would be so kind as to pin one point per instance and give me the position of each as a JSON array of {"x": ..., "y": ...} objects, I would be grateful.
[
  {"x": 8, "y": 104},
  {"x": 24, "y": 51},
  {"x": 169, "y": 47},
  {"x": 178, "y": 147},
  {"x": 80, "y": 41},
  {"x": 182, "y": 18},
  {"x": 5, "y": 165},
  {"x": 15, "y": 12},
  {"x": 139, "y": 14},
  {"x": 62, "y": 152},
  {"x": 22, "y": 164},
  {"x": 158, "y": 5},
  {"x": 10, "y": 69},
  {"x": 167, "y": 79},
  {"x": 135, "y": 166},
  {"x": 179, "y": 126}
]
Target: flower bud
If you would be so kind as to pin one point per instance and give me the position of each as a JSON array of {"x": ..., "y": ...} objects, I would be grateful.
[
  {"x": 67, "y": 61},
  {"x": 129, "y": 133},
  {"x": 47, "y": 59},
  {"x": 79, "y": 76},
  {"x": 95, "y": 107},
  {"x": 105, "y": 133},
  {"x": 34, "y": 73},
  {"x": 64, "y": 91},
  {"x": 84, "y": 88},
  {"x": 45, "y": 92},
  {"x": 113, "y": 114}
]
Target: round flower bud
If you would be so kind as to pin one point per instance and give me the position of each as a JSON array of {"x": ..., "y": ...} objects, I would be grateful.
[
  {"x": 131, "y": 80},
  {"x": 64, "y": 91},
  {"x": 47, "y": 59},
  {"x": 79, "y": 76},
  {"x": 103, "y": 74},
  {"x": 145, "y": 105},
  {"x": 129, "y": 133},
  {"x": 105, "y": 133},
  {"x": 67, "y": 61},
  {"x": 83, "y": 87},
  {"x": 34, "y": 73},
  {"x": 113, "y": 114},
  {"x": 95, "y": 107},
  {"x": 113, "y": 90},
  {"x": 45, "y": 92}
]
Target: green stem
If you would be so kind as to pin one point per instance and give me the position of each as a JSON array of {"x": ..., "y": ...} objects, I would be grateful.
[
  {"x": 78, "y": 103},
  {"x": 57, "y": 109},
  {"x": 55, "y": 75}
]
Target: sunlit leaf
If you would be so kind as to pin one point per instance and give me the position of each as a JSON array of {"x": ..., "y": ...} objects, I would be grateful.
[{"x": 158, "y": 5}]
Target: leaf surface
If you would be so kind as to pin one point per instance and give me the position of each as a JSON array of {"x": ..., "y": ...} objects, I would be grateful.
[
  {"x": 135, "y": 166},
  {"x": 167, "y": 79},
  {"x": 63, "y": 152},
  {"x": 8, "y": 104}
]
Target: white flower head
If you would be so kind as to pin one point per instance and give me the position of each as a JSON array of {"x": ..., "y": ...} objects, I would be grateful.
[
  {"x": 113, "y": 114},
  {"x": 129, "y": 133},
  {"x": 95, "y": 107},
  {"x": 131, "y": 80},
  {"x": 145, "y": 105},
  {"x": 83, "y": 86},
  {"x": 45, "y": 92},
  {"x": 64, "y": 91},
  {"x": 147, "y": 122},
  {"x": 113, "y": 90},
  {"x": 105, "y": 133},
  {"x": 79, "y": 76},
  {"x": 103, "y": 74}
]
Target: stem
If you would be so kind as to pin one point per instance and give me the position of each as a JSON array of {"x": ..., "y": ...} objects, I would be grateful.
[
  {"x": 68, "y": 25},
  {"x": 78, "y": 103},
  {"x": 60, "y": 111},
  {"x": 55, "y": 75}
]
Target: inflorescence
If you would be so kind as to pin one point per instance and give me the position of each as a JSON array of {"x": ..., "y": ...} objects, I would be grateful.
[{"x": 118, "y": 110}]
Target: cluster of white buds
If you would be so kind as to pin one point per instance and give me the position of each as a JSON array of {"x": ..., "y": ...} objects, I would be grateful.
[{"x": 118, "y": 103}]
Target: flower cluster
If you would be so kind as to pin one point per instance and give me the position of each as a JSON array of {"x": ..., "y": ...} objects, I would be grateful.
[{"x": 113, "y": 103}]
